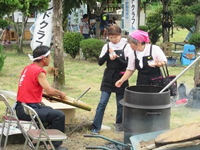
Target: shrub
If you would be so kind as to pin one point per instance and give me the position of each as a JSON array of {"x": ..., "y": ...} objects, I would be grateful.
[
  {"x": 154, "y": 22},
  {"x": 155, "y": 34},
  {"x": 184, "y": 21},
  {"x": 91, "y": 48},
  {"x": 2, "y": 58},
  {"x": 3, "y": 23},
  {"x": 71, "y": 43},
  {"x": 143, "y": 28},
  {"x": 195, "y": 40}
]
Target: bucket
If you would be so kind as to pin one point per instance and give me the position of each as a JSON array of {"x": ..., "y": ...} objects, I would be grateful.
[{"x": 145, "y": 110}]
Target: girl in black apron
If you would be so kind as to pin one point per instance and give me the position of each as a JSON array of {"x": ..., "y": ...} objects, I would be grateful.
[{"x": 116, "y": 64}]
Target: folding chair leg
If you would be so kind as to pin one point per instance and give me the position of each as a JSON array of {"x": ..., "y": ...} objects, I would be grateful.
[
  {"x": 45, "y": 144},
  {"x": 38, "y": 143},
  {"x": 25, "y": 144},
  {"x": 51, "y": 145},
  {"x": 2, "y": 133},
  {"x": 27, "y": 139},
  {"x": 30, "y": 144},
  {"x": 6, "y": 140}
]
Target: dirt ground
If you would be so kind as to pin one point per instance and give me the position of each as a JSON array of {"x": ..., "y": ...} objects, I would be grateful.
[{"x": 76, "y": 139}]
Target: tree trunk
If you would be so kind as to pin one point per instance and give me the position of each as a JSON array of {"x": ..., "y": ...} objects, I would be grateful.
[
  {"x": 165, "y": 30},
  {"x": 59, "y": 79},
  {"x": 20, "y": 33},
  {"x": 165, "y": 35},
  {"x": 139, "y": 4},
  {"x": 197, "y": 28},
  {"x": 197, "y": 66},
  {"x": 97, "y": 11},
  {"x": 98, "y": 29},
  {"x": 196, "y": 74}
]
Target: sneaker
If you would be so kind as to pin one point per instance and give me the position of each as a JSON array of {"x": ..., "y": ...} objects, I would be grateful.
[
  {"x": 95, "y": 131},
  {"x": 61, "y": 148},
  {"x": 118, "y": 128},
  {"x": 9, "y": 42},
  {"x": 3, "y": 43}
]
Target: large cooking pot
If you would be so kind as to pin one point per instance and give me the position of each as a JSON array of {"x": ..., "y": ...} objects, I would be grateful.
[{"x": 145, "y": 110}]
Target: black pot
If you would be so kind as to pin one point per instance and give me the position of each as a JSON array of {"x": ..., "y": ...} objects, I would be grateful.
[{"x": 145, "y": 110}]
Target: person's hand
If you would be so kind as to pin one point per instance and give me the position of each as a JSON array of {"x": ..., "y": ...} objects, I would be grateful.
[
  {"x": 62, "y": 95},
  {"x": 112, "y": 54},
  {"x": 155, "y": 63},
  {"x": 110, "y": 50},
  {"x": 152, "y": 63},
  {"x": 160, "y": 63},
  {"x": 119, "y": 83}
]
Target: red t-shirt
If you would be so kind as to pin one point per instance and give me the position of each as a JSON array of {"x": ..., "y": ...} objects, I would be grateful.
[{"x": 29, "y": 89}]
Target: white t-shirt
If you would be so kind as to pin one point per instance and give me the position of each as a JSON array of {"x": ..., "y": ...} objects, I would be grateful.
[
  {"x": 118, "y": 46},
  {"x": 85, "y": 27},
  {"x": 157, "y": 54}
]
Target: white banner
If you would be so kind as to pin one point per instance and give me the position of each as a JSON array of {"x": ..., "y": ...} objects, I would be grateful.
[
  {"x": 42, "y": 33},
  {"x": 130, "y": 15}
]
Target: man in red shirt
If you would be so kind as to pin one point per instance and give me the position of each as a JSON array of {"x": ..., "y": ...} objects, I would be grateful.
[{"x": 31, "y": 85}]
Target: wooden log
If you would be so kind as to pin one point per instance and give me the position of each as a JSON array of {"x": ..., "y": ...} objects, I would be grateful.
[
  {"x": 69, "y": 101},
  {"x": 183, "y": 133},
  {"x": 146, "y": 145},
  {"x": 179, "y": 145},
  {"x": 151, "y": 146}
]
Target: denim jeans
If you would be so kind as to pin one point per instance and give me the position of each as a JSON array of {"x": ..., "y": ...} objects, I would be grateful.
[
  {"x": 86, "y": 36},
  {"x": 102, "y": 106}
]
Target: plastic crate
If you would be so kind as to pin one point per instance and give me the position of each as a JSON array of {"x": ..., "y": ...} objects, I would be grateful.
[{"x": 188, "y": 55}]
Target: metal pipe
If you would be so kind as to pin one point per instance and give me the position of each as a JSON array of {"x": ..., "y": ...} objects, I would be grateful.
[
  {"x": 97, "y": 147},
  {"x": 107, "y": 139},
  {"x": 174, "y": 80},
  {"x": 83, "y": 93}
]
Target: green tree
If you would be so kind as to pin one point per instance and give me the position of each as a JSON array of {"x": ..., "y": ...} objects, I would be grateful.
[
  {"x": 28, "y": 7},
  {"x": 8, "y": 6},
  {"x": 68, "y": 6},
  {"x": 2, "y": 57},
  {"x": 188, "y": 15},
  {"x": 92, "y": 4},
  {"x": 166, "y": 4}
]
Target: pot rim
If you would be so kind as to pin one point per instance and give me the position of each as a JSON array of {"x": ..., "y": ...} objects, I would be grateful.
[
  {"x": 145, "y": 107},
  {"x": 157, "y": 93}
]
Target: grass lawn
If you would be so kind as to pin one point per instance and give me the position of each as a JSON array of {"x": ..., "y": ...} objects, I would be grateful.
[{"x": 79, "y": 75}]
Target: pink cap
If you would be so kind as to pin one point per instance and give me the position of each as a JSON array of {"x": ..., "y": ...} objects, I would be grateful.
[{"x": 141, "y": 36}]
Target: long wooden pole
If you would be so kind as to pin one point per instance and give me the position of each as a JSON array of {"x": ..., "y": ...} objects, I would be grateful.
[{"x": 69, "y": 101}]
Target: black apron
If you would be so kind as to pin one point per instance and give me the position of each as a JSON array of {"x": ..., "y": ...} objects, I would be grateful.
[
  {"x": 146, "y": 73},
  {"x": 113, "y": 73}
]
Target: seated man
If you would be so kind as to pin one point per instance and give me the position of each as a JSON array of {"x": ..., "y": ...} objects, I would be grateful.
[{"x": 31, "y": 85}]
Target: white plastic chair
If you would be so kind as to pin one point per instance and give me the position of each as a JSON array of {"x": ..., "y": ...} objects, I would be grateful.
[
  {"x": 9, "y": 118},
  {"x": 40, "y": 134}
]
